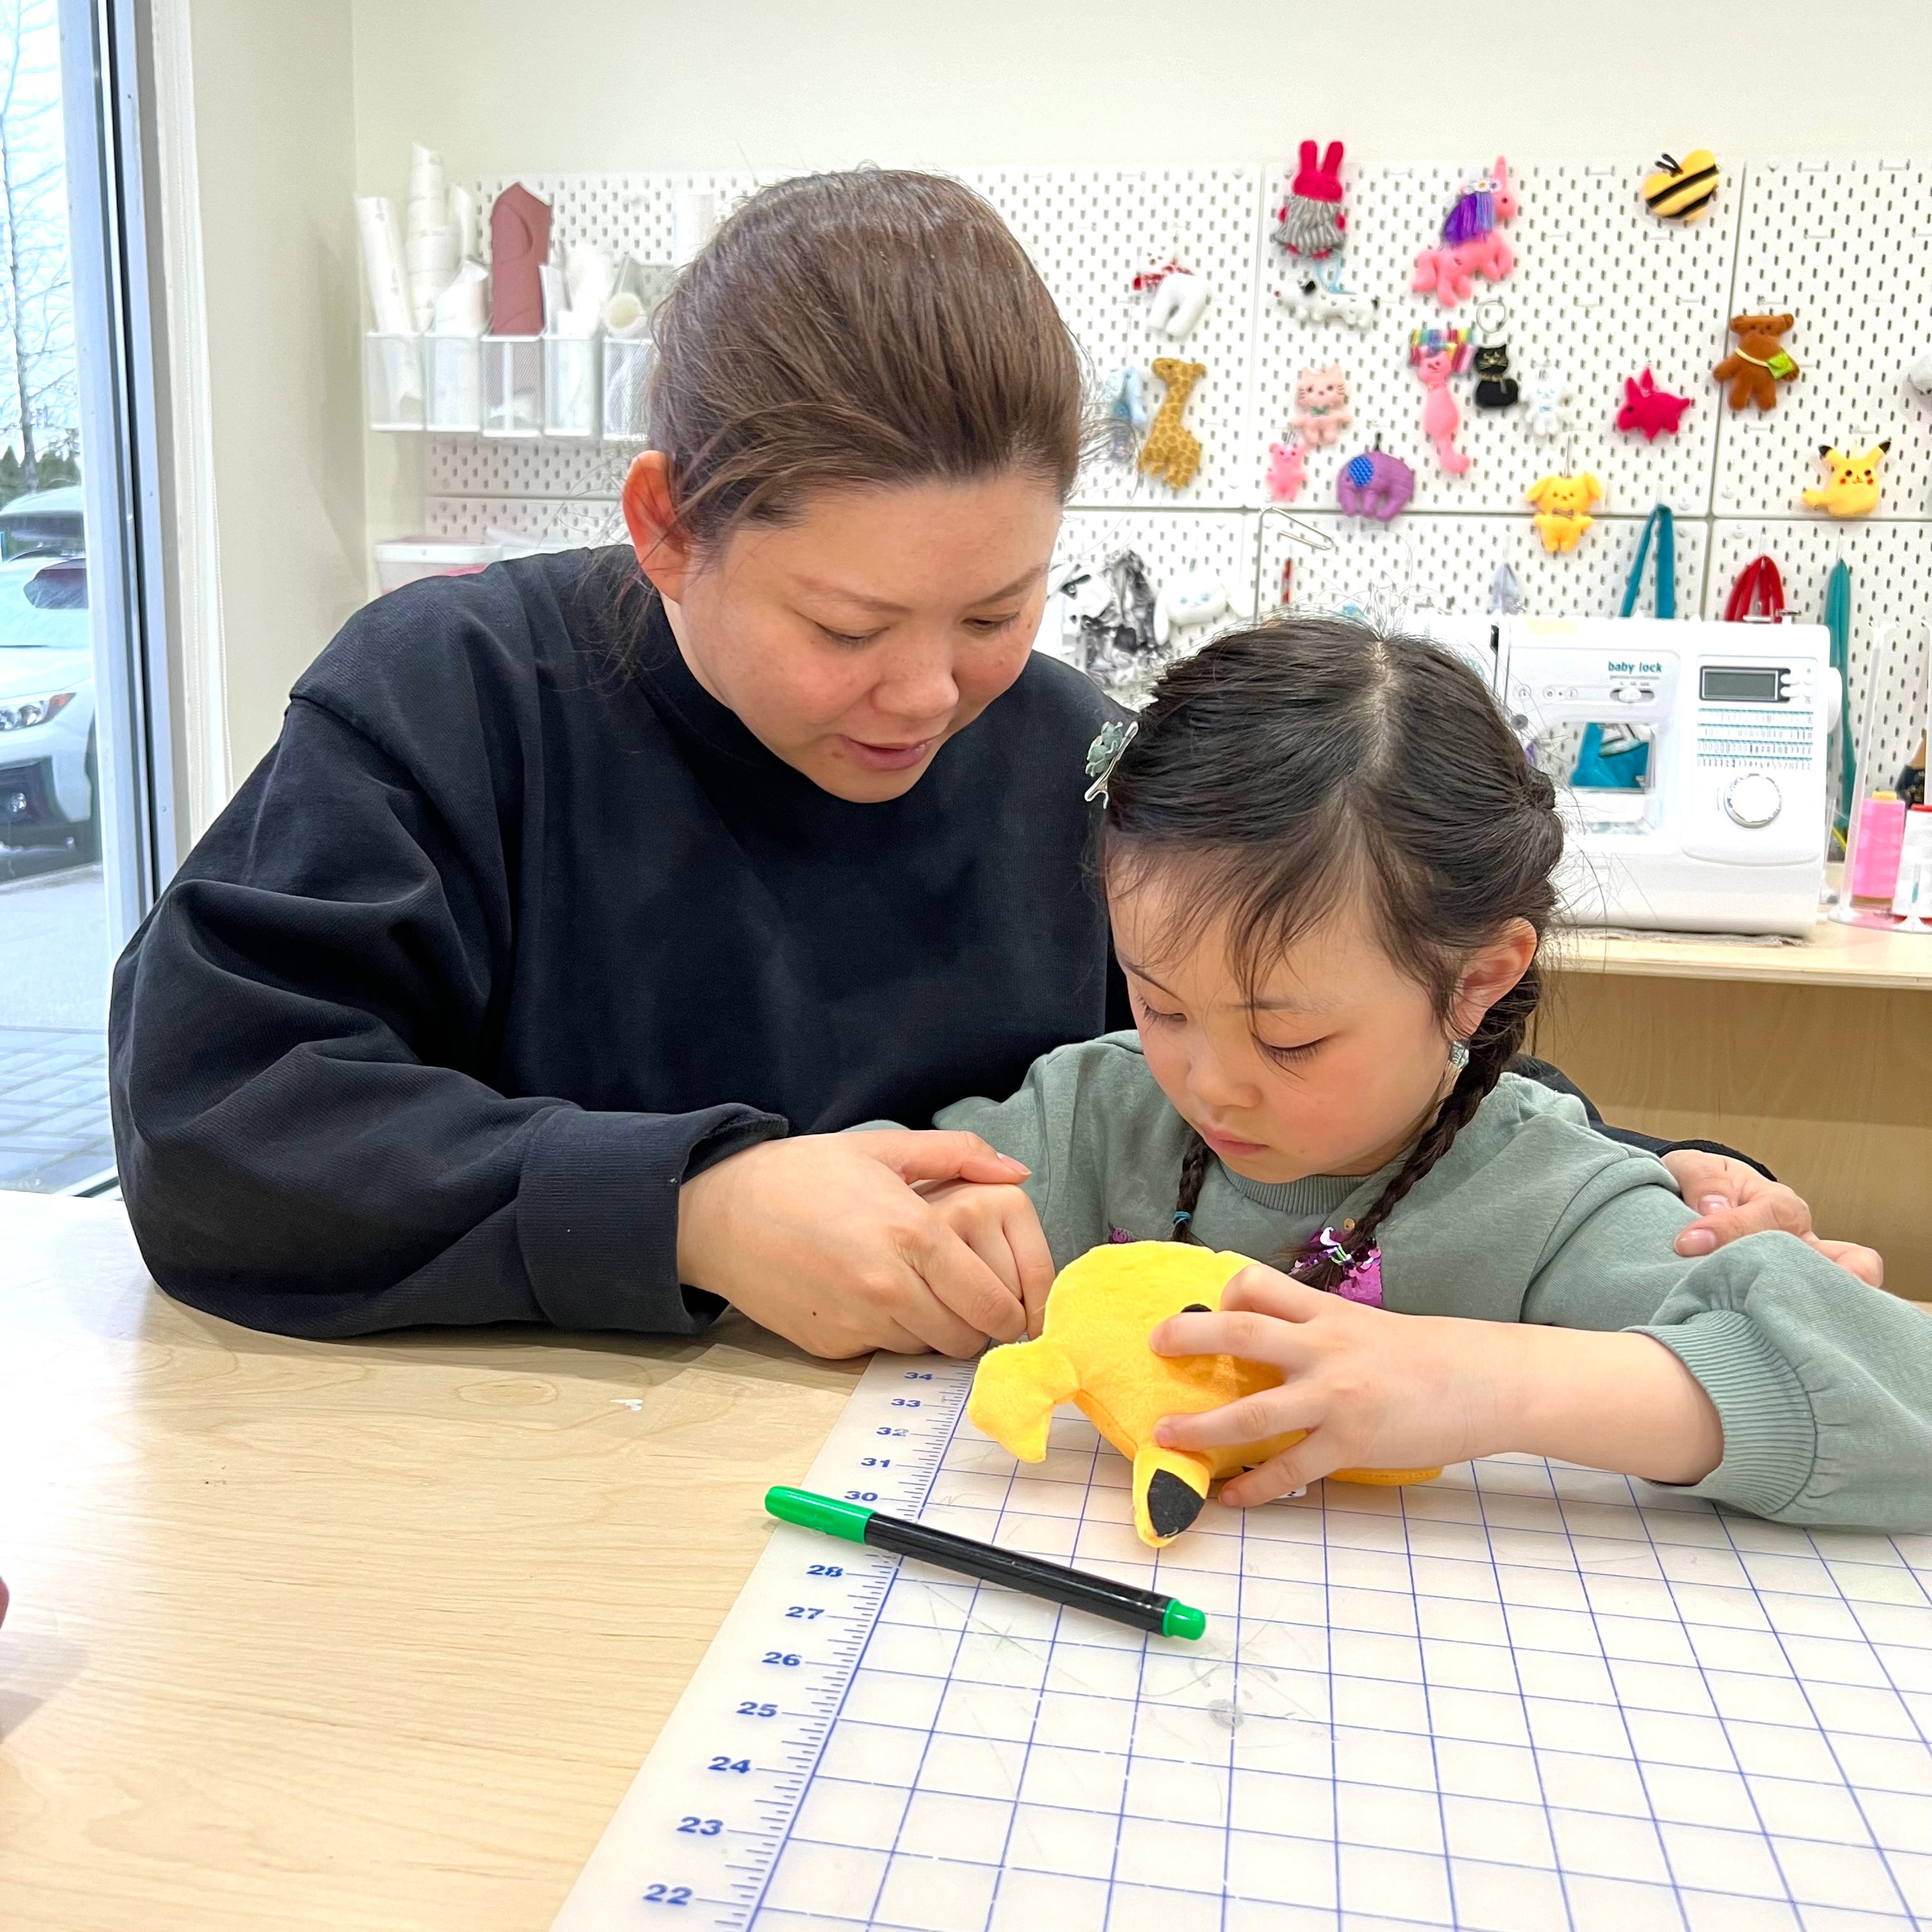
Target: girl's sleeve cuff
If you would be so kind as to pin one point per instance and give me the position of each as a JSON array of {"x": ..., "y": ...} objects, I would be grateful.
[{"x": 1771, "y": 1431}]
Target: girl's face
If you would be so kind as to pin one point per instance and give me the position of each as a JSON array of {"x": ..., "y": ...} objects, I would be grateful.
[
  {"x": 1333, "y": 1067},
  {"x": 855, "y": 640}
]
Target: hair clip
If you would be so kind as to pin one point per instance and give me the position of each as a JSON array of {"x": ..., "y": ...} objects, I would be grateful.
[{"x": 1104, "y": 754}]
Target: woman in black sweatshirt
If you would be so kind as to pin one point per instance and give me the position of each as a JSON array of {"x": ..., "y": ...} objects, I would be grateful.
[{"x": 533, "y": 973}]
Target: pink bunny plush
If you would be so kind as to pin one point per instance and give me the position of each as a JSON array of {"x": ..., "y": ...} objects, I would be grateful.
[
  {"x": 1321, "y": 411},
  {"x": 1310, "y": 222}
]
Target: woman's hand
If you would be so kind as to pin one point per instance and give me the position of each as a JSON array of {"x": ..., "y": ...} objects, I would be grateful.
[
  {"x": 1001, "y": 1225},
  {"x": 1732, "y": 1199},
  {"x": 822, "y": 1240},
  {"x": 1375, "y": 1390}
]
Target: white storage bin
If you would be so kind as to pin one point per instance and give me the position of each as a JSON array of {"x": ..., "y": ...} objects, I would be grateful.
[
  {"x": 408, "y": 559},
  {"x": 453, "y": 375},
  {"x": 392, "y": 371},
  {"x": 572, "y": 395},
  {"x": 512, "y": 384},
  {"x": 627, "y": 368}
]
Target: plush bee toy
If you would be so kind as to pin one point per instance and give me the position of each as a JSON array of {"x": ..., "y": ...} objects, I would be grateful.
[
  {"x": 1092, "y": 1352},
  {"x": 1683, "y": 190}
]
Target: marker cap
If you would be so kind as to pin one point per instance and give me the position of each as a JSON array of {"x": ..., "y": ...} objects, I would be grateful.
[{"x": 820, "y": 1513}]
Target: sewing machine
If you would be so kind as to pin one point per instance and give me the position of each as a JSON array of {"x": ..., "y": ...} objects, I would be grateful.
[{"x": 1690, "y": 760}]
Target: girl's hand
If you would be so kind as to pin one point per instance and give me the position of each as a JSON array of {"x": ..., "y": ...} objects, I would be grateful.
[
  {"x": 1375, "y": 1390},
  {"x": 1001, "y": 1225},
  {"x": 822, "y": 1239}
]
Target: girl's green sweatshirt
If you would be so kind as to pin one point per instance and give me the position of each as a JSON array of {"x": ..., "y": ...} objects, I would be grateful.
[{"x": 1823, "y": 1385}]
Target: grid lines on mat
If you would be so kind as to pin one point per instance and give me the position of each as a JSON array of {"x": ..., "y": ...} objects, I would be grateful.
[{"x": 1526, "y": 1695}]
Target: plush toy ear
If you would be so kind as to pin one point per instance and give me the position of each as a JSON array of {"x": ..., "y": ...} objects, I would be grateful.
[
  {"x": 1590, "y": 484},
  {"x": 1016, "y": 1390},
  {"x": 1778, "y": 324},
  {"x": 1826, "y": 450},
  {"x": 1873, "y": 455},
  {"x": 1331, "y": 162},
  {"x": 1538, "y": 491}
]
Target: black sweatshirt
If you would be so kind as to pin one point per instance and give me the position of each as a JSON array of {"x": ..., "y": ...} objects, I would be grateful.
[{"x": 496, "y": 947}]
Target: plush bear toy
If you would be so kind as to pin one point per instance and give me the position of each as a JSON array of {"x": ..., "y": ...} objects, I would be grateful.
[
  {"x": 1759, "y": 362},
  {"x": 1093, "y": 1352}
]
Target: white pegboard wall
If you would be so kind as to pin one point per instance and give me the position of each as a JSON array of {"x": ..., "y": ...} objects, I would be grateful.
[
  {"x": 1090, "y": 231},
  {"x": 587, "y": 521},
  {"x": 1584, "y": 245},
  {"x": 1451, "y": 563},
  {"x": 1891, "y": 565},
  {"x": 1842, "y": 246},
  {"x": 1601, "y": 289}
]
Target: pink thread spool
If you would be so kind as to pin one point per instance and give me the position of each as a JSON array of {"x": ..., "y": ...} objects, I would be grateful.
[{"x": 1881, "y": 840}]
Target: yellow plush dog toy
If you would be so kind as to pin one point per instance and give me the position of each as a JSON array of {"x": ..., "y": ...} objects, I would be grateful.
[
  {"x": 1093, "y": 1352},
  {"x": 1561, "y": 503}
]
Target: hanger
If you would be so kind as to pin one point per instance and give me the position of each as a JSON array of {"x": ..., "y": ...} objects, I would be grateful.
[{"x": 1298, "y": 531}]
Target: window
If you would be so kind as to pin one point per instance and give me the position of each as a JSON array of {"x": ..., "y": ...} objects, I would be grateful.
[{"x": 79, "y": 855}]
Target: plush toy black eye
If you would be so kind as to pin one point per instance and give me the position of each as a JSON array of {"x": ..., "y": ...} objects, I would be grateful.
[{"x": 1197, "y": 1308}]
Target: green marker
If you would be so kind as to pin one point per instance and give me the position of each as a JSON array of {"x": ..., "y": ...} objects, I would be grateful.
[{"x": 1167, "y": 1616}]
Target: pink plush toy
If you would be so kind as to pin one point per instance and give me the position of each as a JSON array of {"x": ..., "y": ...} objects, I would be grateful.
[
  {"x": 1321, "y": 411},
  {"x": 1472, "y": 240},
  {"x": 1310, "y": 222},
  {"x": 1437, "y": 354},
  {"x": 1654, "y": 411},
  {"x": 1287, "y": 470}
]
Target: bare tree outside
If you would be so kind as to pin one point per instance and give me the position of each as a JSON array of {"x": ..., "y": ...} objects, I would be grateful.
[{"x": 38, "y": 394}]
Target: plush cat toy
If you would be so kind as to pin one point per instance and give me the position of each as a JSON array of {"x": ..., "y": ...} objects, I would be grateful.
[{"x": 1093, "y": 1352}]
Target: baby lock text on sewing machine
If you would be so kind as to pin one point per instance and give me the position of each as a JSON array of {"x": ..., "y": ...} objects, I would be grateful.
[{"x": 1689, "y": 759}]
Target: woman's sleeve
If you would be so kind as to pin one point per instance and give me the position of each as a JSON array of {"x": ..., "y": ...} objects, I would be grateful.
[
  {"x": 301, "y": 1148},
  {"x": 1823, "y": 1385}
]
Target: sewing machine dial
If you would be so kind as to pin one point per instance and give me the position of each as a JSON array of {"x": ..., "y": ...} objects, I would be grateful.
[{"x": 1752, "y": 799}]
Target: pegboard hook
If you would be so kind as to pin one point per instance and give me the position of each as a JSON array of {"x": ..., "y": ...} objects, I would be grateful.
[{"x": 1297, "y": 531}]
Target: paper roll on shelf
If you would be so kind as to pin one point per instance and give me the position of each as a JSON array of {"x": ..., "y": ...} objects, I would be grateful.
[{"x": 382, "y": 265}]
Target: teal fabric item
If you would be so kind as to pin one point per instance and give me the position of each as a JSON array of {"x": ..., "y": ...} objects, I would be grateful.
[
  {"x": 1838, "y": 622},
  {"x": 1660, "y": 521},
  {"x": 1609, "y": 771},
  {"x": 1824, "y": 1385}
]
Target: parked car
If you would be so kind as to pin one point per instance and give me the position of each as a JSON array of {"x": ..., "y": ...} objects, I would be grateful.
[
  {"x": 48, "y": 792},
  {"x": 49, "y": 523}
]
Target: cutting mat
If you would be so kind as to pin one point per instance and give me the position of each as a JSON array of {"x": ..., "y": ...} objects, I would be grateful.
[{"x": 1526, "y": 1695}]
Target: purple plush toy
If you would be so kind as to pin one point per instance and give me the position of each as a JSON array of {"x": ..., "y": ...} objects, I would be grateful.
[{"x": 1374, "y": 484}]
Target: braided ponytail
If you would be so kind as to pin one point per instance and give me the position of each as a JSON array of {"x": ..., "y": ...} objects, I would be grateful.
[
  {"x": 1193, "y": 1173},
  {"x": 1284, "y": 771},
  {"x": 1494, "y": 1044}
]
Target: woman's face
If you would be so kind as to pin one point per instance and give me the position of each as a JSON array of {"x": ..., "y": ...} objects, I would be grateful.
[{"x": 854, "y": 641}]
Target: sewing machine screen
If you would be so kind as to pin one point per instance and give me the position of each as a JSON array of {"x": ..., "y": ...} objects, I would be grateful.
[
  {"x": 1729, "y": 684},
  {"x": 1607, "y": 772}
]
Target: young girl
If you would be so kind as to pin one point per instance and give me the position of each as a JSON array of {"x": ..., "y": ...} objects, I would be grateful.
[{"x": 1328, "y": 868}]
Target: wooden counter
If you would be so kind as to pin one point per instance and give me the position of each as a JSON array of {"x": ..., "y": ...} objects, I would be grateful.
[
  {"x": 1816, "y": 1058},
  {"x": 366, "y": 1635}
]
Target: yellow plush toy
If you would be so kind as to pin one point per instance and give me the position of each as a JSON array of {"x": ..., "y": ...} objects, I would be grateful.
[
  {"x": 1561, "y": 505},
  {"x": 1853, "y": 490},
  {"x": 1093, "y": 1352}
]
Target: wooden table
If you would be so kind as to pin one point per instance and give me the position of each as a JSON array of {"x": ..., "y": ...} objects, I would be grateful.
[
  {"x": 1817, "y": 1058},
  {"x": 369, "y": 1635}
]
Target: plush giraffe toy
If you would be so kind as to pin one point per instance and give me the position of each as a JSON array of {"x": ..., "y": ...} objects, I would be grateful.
[
  {"x": 1171, "y": 453},
  {"x": 1092, "y": 1352}
]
